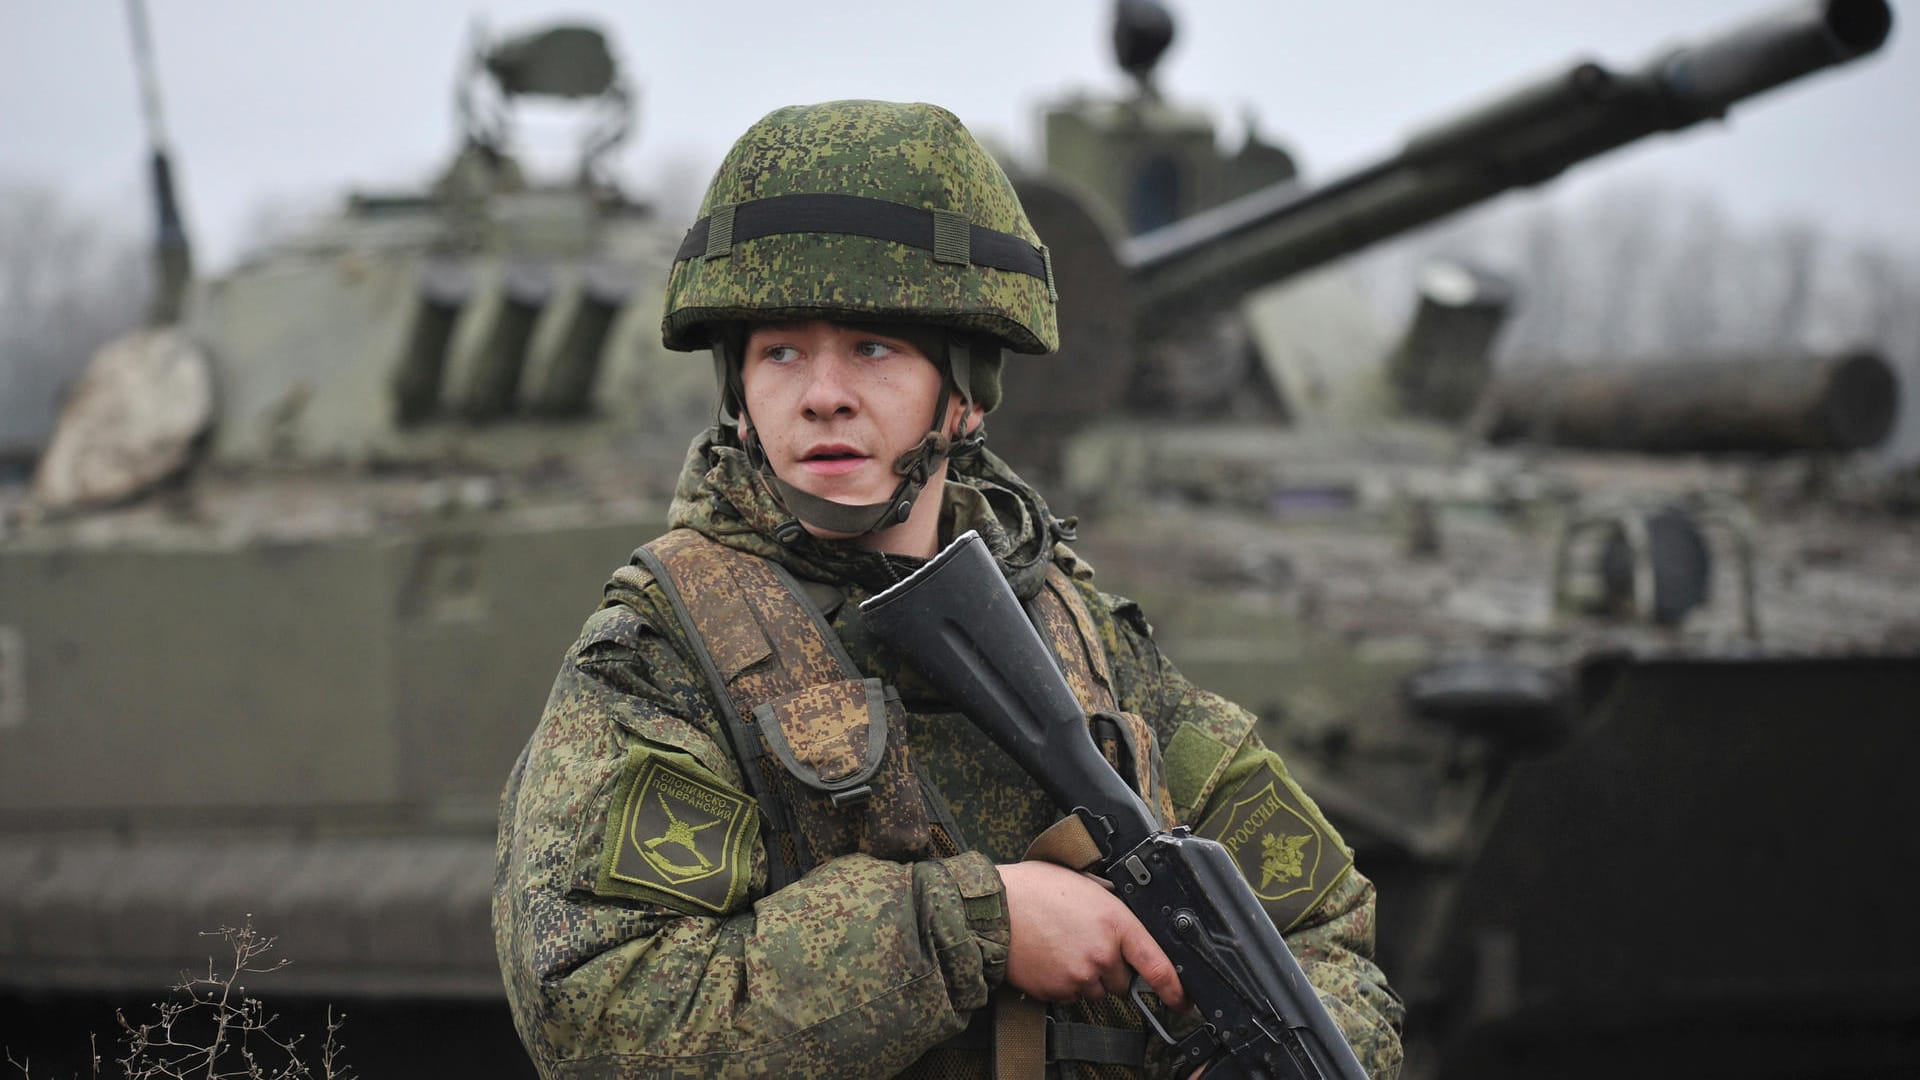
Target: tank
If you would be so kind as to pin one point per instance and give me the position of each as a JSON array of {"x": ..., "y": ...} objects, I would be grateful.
[
  {"x": 1579, "y": 655},
  {"x": 287, "y": 593},
  {"x": 273, "y": 648}
]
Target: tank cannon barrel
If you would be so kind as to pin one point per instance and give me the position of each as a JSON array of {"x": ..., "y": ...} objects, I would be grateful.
[
  {"x": 1778, "y": 404},
  {"x": 1521, "y": 139}
]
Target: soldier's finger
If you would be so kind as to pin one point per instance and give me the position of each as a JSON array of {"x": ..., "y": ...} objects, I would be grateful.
[{"x": 1145, "y": 956}]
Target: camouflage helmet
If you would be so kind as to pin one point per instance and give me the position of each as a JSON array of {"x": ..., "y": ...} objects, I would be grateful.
[{"x": 862, "y": 210}]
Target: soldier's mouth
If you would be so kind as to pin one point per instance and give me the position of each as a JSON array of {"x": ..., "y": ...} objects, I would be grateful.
[{"x": 832, "y": 459}]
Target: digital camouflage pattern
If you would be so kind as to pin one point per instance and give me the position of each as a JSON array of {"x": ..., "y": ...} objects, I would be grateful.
[
  {"x": 1061, "y": 615},
  {"x": 818, "y": 724},
  {"x": 864, "y": 964},
  {"x": 913, "y": 154}
]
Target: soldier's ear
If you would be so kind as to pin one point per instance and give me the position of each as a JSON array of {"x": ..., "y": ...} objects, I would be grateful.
[{"x": 961, "y": 418}]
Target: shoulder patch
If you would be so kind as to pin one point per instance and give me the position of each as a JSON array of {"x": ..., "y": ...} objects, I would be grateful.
[
  {"x": 1283, "y": 846},
  {"x": 676, "y": 836},
  {"x": 1193, "y": 761}
]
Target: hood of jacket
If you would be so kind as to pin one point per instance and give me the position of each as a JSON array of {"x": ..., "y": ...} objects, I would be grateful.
[{"x": 721, "y": 495}]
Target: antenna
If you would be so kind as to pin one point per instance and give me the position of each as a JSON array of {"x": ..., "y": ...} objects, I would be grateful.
[{"x": 172, "y": 254}]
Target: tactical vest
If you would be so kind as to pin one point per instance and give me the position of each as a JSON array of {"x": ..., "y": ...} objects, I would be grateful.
[{"x": 822, "y": 750}]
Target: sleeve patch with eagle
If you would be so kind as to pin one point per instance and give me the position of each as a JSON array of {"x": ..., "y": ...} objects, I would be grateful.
[{"x": 1282, "y": 844}]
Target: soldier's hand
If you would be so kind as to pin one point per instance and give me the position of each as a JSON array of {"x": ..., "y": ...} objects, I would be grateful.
[{"x": 1074, "y": 940}]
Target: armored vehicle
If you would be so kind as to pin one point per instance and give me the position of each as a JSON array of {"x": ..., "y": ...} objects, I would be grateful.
[
  {"x": 271, "y": 655},
  {"x": 1578, "y": 656}
]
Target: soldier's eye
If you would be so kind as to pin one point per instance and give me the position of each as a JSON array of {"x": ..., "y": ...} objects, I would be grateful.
[
  {"x": 780, "y": 354},
  {"x": 874, "y": 350}
]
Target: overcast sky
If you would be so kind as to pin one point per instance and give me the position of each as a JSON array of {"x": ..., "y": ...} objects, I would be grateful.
[{"x": 292, "y": 102}]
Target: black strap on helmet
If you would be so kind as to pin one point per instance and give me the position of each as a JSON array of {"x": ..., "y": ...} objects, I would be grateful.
[{"x": 949, "y": 235}]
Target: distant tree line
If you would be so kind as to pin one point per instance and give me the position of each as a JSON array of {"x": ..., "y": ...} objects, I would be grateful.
[{"x": 69, "y": 282}]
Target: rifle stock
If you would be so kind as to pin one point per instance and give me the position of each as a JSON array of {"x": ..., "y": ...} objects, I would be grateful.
[
  {"x": 959, "y": 624},
  {"x": 975, "y": 645}
]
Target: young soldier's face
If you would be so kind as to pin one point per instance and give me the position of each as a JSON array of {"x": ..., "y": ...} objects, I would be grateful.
[{"x": 836, "y": 405}]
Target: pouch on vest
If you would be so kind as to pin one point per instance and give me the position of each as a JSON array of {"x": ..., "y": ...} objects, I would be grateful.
[
  {"x": 1127, "y": 742},
  {"x": 811, "y": 733},
  {"x": 851, "y": 784}
]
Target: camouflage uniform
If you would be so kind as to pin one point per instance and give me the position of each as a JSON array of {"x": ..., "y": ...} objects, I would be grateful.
[
  {"x": 863, "y": 965},
  {"x": 636, "y": 930}
]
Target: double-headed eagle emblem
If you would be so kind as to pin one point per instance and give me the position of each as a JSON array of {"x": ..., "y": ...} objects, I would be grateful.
[{"x": 1281, "y": 857}]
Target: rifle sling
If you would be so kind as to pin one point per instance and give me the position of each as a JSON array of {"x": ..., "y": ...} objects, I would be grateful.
[{"x": 1066, "y": 842}]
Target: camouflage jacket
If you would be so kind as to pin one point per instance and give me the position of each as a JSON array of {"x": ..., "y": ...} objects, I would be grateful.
[{"x": 864, "y": 964}]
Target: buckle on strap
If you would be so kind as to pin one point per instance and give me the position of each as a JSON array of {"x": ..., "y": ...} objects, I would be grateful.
[{"x": 720, "y": 233}]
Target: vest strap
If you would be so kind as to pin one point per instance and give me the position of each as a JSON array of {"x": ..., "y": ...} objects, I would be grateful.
[
  {"x": 782, "y": 868},
  {"x": 799, "y": 712}
]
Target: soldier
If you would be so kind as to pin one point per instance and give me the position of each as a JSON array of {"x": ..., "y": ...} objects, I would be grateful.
[{"x": 744, "y": 839}]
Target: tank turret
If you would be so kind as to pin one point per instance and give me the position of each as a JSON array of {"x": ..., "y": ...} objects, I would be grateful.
[
  {"x": 1522, "y": 138},
  {"x": 1169, "y": 279},
  {"x": 1145, "y": 162},
  {"x": 493, "y": 316},
  {"x": 495, "y": 307},
  {"x": 1470, "y": 650},
  {"x": 329, "y": 506}
]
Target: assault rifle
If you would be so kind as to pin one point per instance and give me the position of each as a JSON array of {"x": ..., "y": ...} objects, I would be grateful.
[{"x": 958, "y": 623}]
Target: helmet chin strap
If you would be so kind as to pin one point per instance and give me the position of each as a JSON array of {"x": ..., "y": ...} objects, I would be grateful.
[{"x": 914, "y": 467}]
